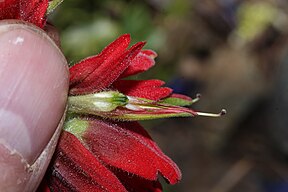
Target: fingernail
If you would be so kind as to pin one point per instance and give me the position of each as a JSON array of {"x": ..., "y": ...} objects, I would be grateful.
[{"x": 34, "y": 87}]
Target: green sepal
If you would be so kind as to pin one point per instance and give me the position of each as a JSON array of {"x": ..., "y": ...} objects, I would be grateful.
[
  {"x": 76, "y": 126},
  {"x": 97, "y": 102},
  {"x": 176, "y": 101},
  {"x": 142, "y": 117}
]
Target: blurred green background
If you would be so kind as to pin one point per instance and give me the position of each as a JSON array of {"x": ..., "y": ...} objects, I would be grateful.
[{"x": 234, "y": 52}]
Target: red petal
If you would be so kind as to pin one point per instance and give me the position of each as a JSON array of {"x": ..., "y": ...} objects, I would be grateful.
[
  {"x": 32, "y": 11},
  {"x": 75, "y": 169},
  {"x": 107, "y": 73},
  {"x": 149, "y": 89},
  {"x": 9, "y": 9},
  {"x": 152, "y": 54},
  {"x": 87, "y": 66},
  {"x": 140, "y": 64},
  {"x": 137, "y": 184},
  {"x": 128, "y": 147}
]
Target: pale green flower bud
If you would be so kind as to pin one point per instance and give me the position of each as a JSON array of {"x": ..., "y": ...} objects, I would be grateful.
[{"x": 96, "y": 102}]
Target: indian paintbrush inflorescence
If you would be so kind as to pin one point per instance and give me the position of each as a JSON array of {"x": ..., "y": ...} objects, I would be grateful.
[{"x": 102, "y": 147}]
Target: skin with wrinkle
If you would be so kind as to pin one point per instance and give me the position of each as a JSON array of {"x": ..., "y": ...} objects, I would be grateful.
[{"x": 19, "y": 173}]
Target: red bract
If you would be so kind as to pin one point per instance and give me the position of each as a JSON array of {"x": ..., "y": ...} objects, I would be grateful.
[
  {"x": 101, "y": 151},
  {"x": 97, "y": 152},
  {"x": 110, "y": 70},
  {"x": 127, "y": 146},
  {"x": 32, "y": 11},
  {"x": 149, "y": 89},
  {"x": 76, "y": 169},
  {"x": 86, "y": 67}
]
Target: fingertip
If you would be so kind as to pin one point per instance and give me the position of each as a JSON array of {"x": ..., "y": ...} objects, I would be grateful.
[{"x": 34, "y": 79}]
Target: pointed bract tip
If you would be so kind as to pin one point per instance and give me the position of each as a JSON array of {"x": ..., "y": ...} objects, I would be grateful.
[
  {"x": 125, "y": 36},
  {"x": 138, "y": 45},
  {"x": 150, "y": 53},
  {"x": 142, "y": 42}
]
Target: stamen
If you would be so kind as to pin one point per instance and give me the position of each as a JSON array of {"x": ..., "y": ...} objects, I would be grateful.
[
  {"x": 223, "y": 112},
  {"x": 198, "y": 96}
]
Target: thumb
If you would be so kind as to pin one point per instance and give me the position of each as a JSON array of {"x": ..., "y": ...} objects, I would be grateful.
[{"x": 34, "y": 87}]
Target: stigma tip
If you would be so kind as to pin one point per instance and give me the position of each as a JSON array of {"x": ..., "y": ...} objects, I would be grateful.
[
  {"x": 223, "y": 112},
  {"x": 198, "y": 96}
]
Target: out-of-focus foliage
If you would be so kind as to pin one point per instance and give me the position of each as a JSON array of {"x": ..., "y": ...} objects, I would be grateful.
[
  {"x": 254, "y": 19},
  {"x": 87, "y": 26}
]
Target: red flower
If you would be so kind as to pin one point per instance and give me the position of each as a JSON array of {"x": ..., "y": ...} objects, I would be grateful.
[
  {"x": 106, "y": 155},
  {"x": 97, "y": 152},
  {"x": 102, "y": 147}
]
